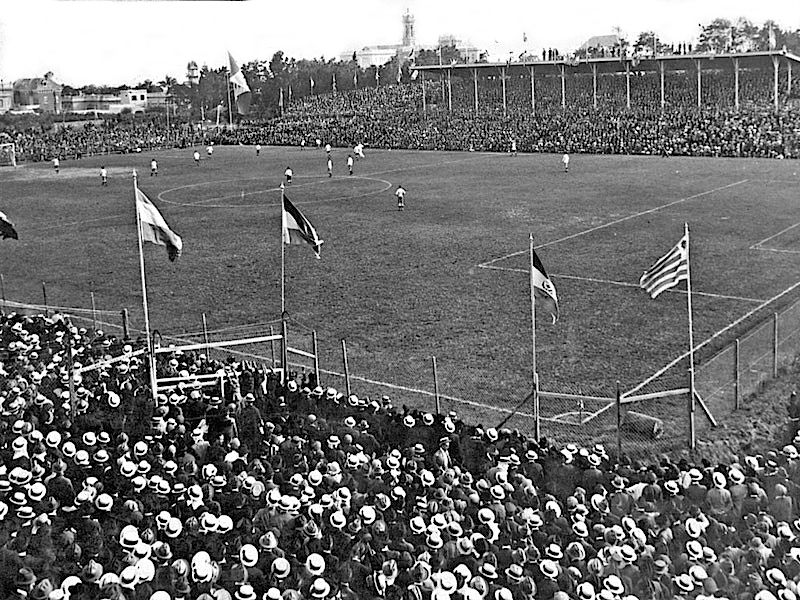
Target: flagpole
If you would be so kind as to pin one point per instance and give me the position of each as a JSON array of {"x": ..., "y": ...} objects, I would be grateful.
[
  {"x": 283, "y": 251},
  {"x": 230, "y": 105},
  {"x": 151, "y": 358},
  {"x": 536, "y": 420},
  {"x": 691, "y": 342}
]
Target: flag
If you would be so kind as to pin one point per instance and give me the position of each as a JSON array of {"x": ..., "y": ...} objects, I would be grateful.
[
  {"x": 772, "y": 41},
  {"x": 399, "y": 73},
  {"x": 290, "y": 95},
  {"x": 355, "y": 79},
  {"x": 667, "y": 272},
  {"x": 241, "y": 91},
  {"x": 543, "y": 288},
  {"x": 7, "y": 228},
  {"x": 334, "y": 83},
  {"x": 297, "y": 229},
  {"x": 280, "y": 100},
  {"x": 155, "y": 228},
  {"x": 311, "y": 81},
  {"x": 414, "y": 75}
]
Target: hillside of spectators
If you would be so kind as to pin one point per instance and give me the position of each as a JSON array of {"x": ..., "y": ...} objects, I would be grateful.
[{"x": 290, "y": 492}]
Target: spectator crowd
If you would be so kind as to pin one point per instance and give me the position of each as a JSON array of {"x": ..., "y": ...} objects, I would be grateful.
[{"x": 255, "y": 489}]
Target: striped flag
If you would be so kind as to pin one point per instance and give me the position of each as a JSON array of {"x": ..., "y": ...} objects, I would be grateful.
[
  {"x": 670, "y": 270},
  {"x": 311, "y": 82},
  {"x": 241, "y": 91},
  {"x": 297, "y": 229},
  {"x": 155, "y": 228},
  {"x": 544, "y": 290},
  {"x": 7, "y": 228}
]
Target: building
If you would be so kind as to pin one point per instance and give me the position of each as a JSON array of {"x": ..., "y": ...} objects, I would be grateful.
[
  {"x": 467, "y": 51},
  {"x": 158, "y": 99},
  {"x": 136, "y": 100},
  {"x": 370, "y": 56},
  {"x": 192, "y": 73},
  {"x": 6, "y": 98},
  {"x": 38, "y": 93},
  {"x": 91, "y": 103},
  {"x": 600, "y": 45}
]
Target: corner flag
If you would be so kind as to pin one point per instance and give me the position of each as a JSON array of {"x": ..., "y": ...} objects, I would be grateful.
[
  {"x": 298, "y": 230},
  {"x": 669, "y": 270},
  {"x": 155, "y": 228},
  {"x": 7, "y": 228}
]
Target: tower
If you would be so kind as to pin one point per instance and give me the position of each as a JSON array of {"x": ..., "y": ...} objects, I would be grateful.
[
  {"x": 408, "y": 29},
  {"x": 192, "y": 73}
]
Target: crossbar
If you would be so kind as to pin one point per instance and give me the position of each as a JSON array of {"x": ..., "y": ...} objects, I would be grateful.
[
  {"x": 203, "y": 346},
  {"x": 209, "y": 376},
  {"x": 300, "y": 352},
  {"x": 561, "y": 396},
  {"x": 653, "y": 395},
  {"x": 110, "y": 361}
]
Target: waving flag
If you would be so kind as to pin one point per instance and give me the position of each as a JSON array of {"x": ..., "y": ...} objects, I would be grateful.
[
  {"x": 297, "y": 229},
  {"x": 668, "y": 271},
  {"x": 155, "y": 228},
  {"x": 544, "y": 289},
  {"x": 7, "y": 228},
  {"x": 241, "y": 91}
]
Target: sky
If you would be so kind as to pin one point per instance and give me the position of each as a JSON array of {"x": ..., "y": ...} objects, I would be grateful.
[{"x": 119, "y": 42}]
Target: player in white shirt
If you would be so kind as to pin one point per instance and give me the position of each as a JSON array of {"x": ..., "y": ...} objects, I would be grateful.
[
  {"x": 350, "y": 163},
  {"x": 565, "y": 161},
  {"x": 330, "y": 166},
  {"x": 103, "y": 176},
  {"x": 513, "y": 147},
  {"x": 153, "y": 168},
  {"x": 400, "y": 194},
  {"x": 358, "y": 150},
  {"x": 56, "y": 164},
  {"x": 328, "y": 148},
  {"x": 288, "y": 173},
  {"x": 319, "y": 142},
  {"x": 258, "y": 149},
  {"x": 303, "y": 144},
  {"x": 210, "y": 149},
  {"x": 196, "y": 157}
]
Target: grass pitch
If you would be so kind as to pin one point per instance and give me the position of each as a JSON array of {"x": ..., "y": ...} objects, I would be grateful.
[{"x": 447, "y": 277}]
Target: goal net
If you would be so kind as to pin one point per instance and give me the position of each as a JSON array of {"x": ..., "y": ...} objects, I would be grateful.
[{"x": 8, "y": 155}]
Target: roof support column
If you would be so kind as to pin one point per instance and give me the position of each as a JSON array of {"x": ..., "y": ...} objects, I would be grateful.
[
  {"x": 661, "y": 69},
  {"x": 475, "y": 87},
  {"x": 699, "y": 83},
  {"x": 788, "y": 77},
  {"x": 563, "y": 88},
  {"x": 594, "y": 85},
  {"x": 775, "y": 81},
  {"x": 628, "y": 84},
  {"x": 449, "y": 90},
  {"x": 422, "y": 80},
  {"x": 533, "y": 93},
  {"x": 503, "y": 81},
  {"x": 736, "y": 82}
]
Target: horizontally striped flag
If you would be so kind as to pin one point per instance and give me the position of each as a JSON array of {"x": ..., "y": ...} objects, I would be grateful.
[
  {"x": 297, "y": 229},
  {"x": 544, "y": 289},
  {"x": 155, "y": 228},
  {"x": 7, "y": 228},
  {"x": 670, "y": 270},
  {"x": 241, "y": 91}
]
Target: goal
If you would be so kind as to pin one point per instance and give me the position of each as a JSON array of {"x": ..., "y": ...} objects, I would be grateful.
[{"x": 8, "y": 155}]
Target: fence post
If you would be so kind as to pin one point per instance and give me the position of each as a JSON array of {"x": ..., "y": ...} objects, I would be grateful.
[
  {"x": 3, "y": 291},
  {"x": 205, "y": 336},
  {"x": 125, "y": 331},
  {"x": 619, "y": 425},
  {"x": 94, "y": 313},
  {"x": 774, "y": 345},
  {"x": 737, "y": 391},
  {"x": 44, "y": 294},
  {"x": 272, "y": 347},
  {"x": 346, "y": 369},
  {"x": 436, "y": 386},
  {"x": 316, "y": 354}
]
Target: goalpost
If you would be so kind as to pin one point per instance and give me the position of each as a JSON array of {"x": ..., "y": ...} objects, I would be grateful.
[{"x": 8, "y": 155}]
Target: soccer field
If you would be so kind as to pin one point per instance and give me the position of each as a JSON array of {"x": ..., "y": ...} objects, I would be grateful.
[{"x": 447, "y": 277}]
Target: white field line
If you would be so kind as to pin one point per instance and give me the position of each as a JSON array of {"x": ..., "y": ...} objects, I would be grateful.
[
  {"x": 674, "y": 362},
  {"x": 632, "y": 285},
  {"x": 777, "y": 250},
  {"x": 757, "y": 245},
  {"x": 616, "y": 221}
]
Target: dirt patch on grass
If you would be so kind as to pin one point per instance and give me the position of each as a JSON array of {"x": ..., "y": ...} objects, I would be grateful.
[{"x": 41, "y": 173}]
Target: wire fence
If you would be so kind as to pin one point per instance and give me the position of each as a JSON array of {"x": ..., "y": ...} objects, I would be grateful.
[{"x": 653, "y": 418}]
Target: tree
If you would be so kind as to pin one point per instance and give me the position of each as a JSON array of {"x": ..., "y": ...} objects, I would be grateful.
[
  {"x": 167, "y": 83},
  {"x": 648, "y": 43},
  {"x": 715, "y": 37}
]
